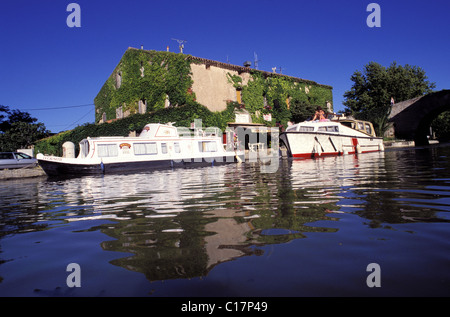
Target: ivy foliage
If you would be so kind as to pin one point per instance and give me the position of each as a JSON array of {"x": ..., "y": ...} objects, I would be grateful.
[
  {"x": 283, "y": 97},
  {"x": 150, "y": 76}
]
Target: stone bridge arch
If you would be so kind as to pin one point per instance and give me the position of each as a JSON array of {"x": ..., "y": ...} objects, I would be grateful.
[{"x": 412, "y": 118}]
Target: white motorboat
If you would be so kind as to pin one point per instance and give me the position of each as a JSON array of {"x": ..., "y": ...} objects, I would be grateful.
[
  {"x": 158, "y": 146},
  {"x": 311, "y": 139}
]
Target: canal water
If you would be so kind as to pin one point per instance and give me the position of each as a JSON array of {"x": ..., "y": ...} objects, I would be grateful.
[{"x": 370, "y": 225}]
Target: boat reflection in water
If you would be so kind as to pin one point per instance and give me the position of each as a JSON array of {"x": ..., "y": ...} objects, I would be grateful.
[{"x": 184, "y": 222}]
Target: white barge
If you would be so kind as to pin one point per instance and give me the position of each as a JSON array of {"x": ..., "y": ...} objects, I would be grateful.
[
  {"x": 158, "y": 146},
  {"x": 311, "y": 139}
]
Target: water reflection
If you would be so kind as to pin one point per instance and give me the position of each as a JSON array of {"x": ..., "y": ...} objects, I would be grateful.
[
  {"x": 206, "y": 217},
  {"x": 182, "y": 223}
]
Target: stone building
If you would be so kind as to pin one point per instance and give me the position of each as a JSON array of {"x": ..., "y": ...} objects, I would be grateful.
[{"x": 146, "y": 80}]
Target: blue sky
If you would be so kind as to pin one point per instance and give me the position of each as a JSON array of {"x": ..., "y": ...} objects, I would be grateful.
[{"x": 49, "y": 69}]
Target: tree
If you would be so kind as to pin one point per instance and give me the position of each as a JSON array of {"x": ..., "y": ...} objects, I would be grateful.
[
  {"x": 301, "y": 110},
  {"x": 441, "y": 126},
  {"x": 19, "y": 130},
  {"x": 15, "y": 116},
  {"x": 4, "y": 112},
  {"x": 370, "y": 96}
]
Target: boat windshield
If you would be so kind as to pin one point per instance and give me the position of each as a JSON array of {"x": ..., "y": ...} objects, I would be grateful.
[
  {"x": 331, "y": 128},
  {"x": 303, "y": 128}
]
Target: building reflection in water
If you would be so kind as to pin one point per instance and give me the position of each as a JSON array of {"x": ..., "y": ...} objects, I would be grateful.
[
  {"x": 199, "y": 218},
  {"x": 181, "y": 223}
]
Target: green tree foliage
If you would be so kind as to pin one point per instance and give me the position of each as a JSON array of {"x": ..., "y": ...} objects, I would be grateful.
[
  {"x": 19, "y": 130},
  {"x": 441, "y": 126},
  {"x": 301, "y": 110},
  {"x": 374, "y": 86}
]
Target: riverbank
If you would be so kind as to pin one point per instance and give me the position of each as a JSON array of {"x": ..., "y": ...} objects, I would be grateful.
[
  {"x": 403, "y": 143},
  {"x": 6, "y": 174}
]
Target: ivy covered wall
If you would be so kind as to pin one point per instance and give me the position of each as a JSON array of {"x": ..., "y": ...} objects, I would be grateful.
[
  {"x": 147, "y": 76},
  {"x": 159, "y": 79},
  {"x": 285, "y": 98}
]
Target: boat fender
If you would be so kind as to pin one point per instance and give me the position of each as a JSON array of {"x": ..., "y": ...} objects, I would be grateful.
[
  {"x": 358, "y": 149},
  {"x": 102, "y": 167},
  {"x": 238, "y": 159},
  {"x": 381, "y": 147}
]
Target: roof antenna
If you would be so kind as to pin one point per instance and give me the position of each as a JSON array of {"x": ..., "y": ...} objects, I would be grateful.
[
  {"x": 256, "y": 60},
  {"x": 180, "y": 44}
]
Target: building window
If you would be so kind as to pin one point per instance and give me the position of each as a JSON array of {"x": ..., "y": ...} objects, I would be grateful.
[
  {"x": 288, "y": 102},
  {"x": 119, "y": 113},
  {"x": 238, "y": 96},
  {"x": 142, "y": 106},
  {"x": 118, "y": 79}
]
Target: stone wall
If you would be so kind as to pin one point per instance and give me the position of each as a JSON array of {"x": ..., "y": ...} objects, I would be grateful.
[{"x": 212, "y": 87}]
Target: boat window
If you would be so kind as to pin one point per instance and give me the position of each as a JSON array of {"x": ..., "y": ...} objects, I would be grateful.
[
  {"x": 368, "y": 128},
  {"x": 176, "y": 147},
  {"x": 84, "y": 149},
  {"x": 332, "y": 128},
  {"x": 361, "y": 126},
  {"x": 207, "y": 146},
  {"x": 108, "y": 150},
  {"x": 164, "y": 148},
  {"x": 145, "y": 148},
  {"x": 306, "y": 129}
]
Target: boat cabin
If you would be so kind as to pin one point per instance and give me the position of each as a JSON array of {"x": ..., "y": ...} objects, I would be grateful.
[
  {"x": 359, "y": 125},
  {"x": 333, "y": 126},
  {"x": 154, "y": 140}
]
